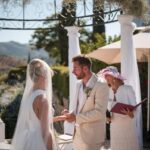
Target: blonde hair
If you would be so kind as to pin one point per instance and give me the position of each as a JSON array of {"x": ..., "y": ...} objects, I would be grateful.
[{"x": 37, "y": 69}]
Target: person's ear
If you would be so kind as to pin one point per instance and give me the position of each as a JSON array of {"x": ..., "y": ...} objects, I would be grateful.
[{"x": 85, "y": 68}]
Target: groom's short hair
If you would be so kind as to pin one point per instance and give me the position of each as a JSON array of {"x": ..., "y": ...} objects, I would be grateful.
[{"x": 82, "y": 60}]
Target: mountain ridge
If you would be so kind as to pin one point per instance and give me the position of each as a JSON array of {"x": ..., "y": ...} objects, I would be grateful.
[{"x": 21, "y": 51}]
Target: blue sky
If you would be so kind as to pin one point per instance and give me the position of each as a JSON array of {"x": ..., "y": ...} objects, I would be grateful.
[
  {"x": 24, "y": 36},
  {"x": 15, "y": 35}
]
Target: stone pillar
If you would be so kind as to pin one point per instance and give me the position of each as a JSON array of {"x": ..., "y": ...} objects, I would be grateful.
[
  {"x": 2, "y": 131},
  {"x": 74, "y": 50},
  {"x": 129, "y": 68}
]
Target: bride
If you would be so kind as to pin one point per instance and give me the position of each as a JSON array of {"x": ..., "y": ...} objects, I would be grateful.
[{"x": 34, "y": 129}]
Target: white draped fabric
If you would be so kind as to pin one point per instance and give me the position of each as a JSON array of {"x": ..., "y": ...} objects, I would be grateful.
[
  {"x": 74, "y": 50},
  {"x": 32, "y": 133},
  {"x": 2, "y": 131},
  {"x": 129, "y": 68}
]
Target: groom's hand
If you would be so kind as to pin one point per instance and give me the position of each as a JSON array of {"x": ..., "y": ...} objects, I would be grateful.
[
  {"x": 65, "y": 111},
  {"x": 70, "y": 117}
]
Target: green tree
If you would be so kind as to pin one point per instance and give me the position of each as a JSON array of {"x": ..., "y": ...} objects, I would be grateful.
[
  {"x": 98, "y": 19},
  {"x": 67, "y": 18},
  {"x": 55, "y": 40}
]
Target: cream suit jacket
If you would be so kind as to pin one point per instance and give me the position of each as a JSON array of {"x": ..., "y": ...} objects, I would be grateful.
[{"x": 92, "y": 115}]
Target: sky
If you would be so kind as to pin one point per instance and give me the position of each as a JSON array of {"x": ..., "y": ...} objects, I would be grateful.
[
  {"x": 41, "y": 10},
  {"x": 23, "y": 37}
]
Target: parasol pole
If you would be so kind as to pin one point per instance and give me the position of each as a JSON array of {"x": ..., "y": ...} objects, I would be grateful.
[{"x": 148, "y": 103}]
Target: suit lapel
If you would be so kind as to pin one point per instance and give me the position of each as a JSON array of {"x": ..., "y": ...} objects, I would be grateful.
[
  {"x": 77, "y": 95},
  {"x": 90, "y": 85},
  {"x": 83, "y": 102}
]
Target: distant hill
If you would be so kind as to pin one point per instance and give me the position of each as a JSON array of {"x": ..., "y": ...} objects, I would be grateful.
[
  {"x": 14, "y": 49},
  {"x": 8, "y": 62},
  {"x": 21, "y": 51}
]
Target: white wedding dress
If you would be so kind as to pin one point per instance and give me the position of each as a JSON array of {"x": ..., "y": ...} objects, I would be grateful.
[
  {"x": 32, "y": 133},
  {"x": 30, "y": 138}
]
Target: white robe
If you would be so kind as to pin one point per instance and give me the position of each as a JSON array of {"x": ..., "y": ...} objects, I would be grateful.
[{"x": 123, "y": 128}]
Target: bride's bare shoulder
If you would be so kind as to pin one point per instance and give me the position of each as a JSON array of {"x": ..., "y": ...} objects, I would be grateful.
[
  {"x": 39, "y": 104},
  {"x": 40, "y": 100}
]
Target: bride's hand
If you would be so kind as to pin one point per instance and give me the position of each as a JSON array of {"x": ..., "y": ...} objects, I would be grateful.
[
  {"x": 70, "y": 117},
  {"x": 59, "y": 118}
]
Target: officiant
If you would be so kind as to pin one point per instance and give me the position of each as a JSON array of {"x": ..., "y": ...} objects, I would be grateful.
[{"x": 123, "y": 134}]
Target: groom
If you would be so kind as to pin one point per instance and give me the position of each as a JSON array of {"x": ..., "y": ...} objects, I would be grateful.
[{"x": 92, "y": 98}]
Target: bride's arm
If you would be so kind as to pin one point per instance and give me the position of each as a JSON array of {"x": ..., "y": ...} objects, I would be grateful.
[
  {"x": 59, "y": 118},
  {"x": 41, "y": 109}
]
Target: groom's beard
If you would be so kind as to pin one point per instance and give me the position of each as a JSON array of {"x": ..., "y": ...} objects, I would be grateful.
[{"x": 81, "y": 76}]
